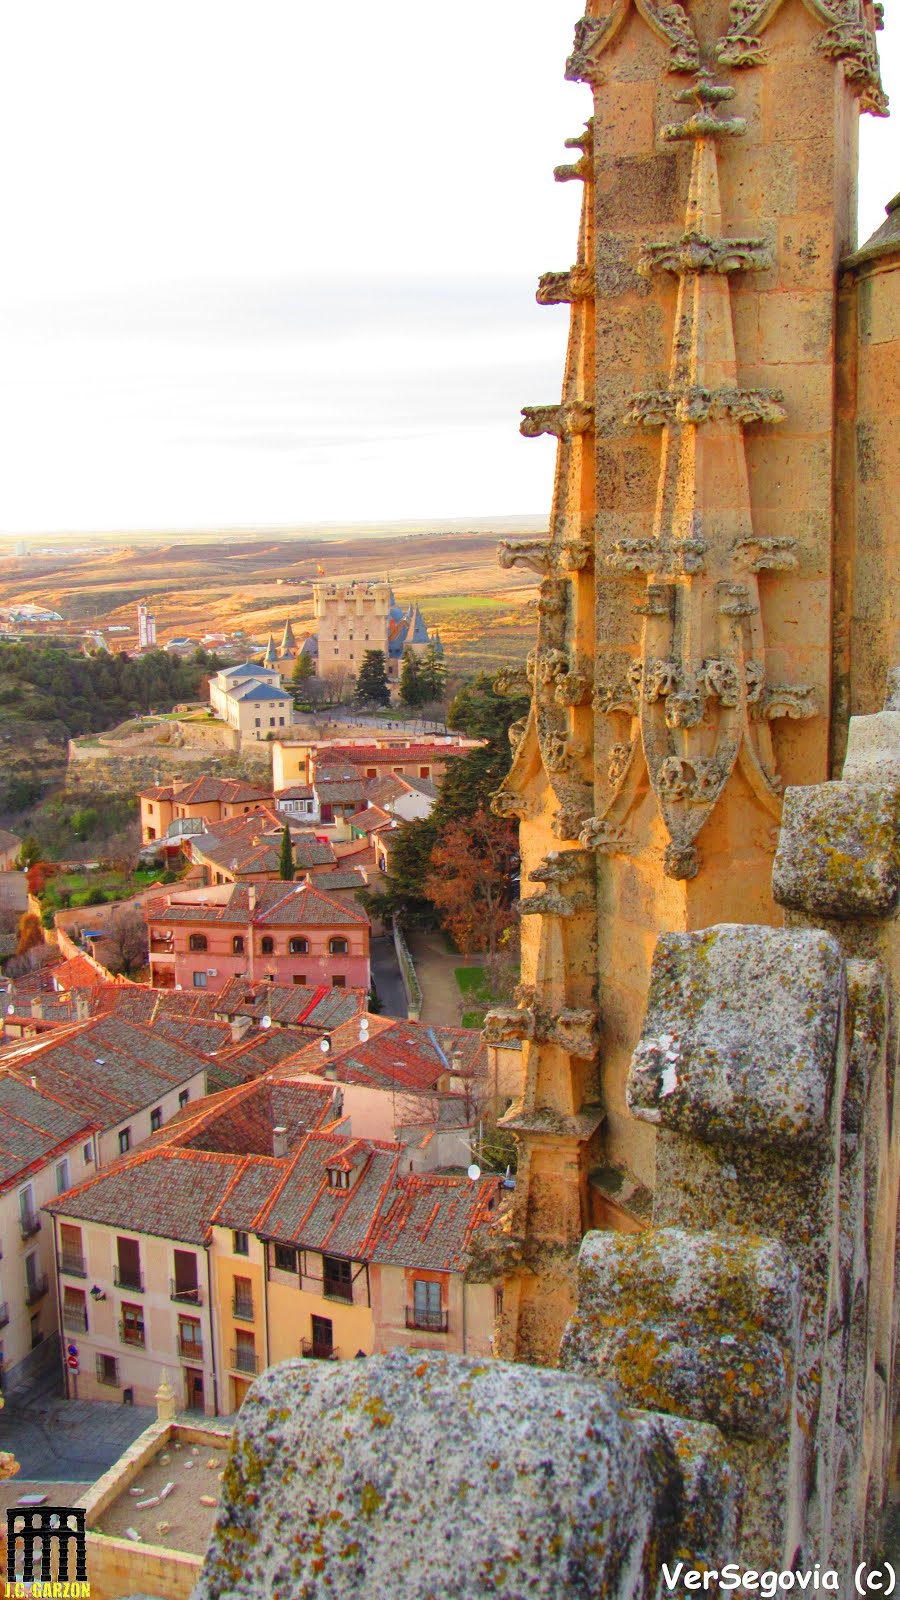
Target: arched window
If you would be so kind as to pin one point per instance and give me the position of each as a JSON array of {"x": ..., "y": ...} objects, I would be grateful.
[
  {"x": 267, "y": 945},
  {"x": 338, "y": 947},
  {"x": 237, "y": 945},
  {"x": 299, "y": 947},
  {"x": 197, "y": 941}
]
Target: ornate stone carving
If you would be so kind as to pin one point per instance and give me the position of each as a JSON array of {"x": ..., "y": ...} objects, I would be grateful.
[
  {"x": 533, "y": 553},
  {"x": 554, "y": 904},
  {"x": 785, "y": 700},
  {"x": 505, "y": 802},
  {"x": 508, "y": 1025},
  {"x": 562, "y": 754},
  {"x": 562, "y": 421},
  {"x": 679, "y": 559},
  {"x": 577, "y": 554},
  {"x": 667, "y": 18},
  {"x": 563, "y": 288},
  {"x": 621, "y": 694},
  {"x": 766, "y": 555},
  {"x": 700, "y": 252},
  {"x": 583, "y": 168},
  {"x": 516, "y": 732},
  {"x": 847, "y": 38},
  {"x": 654, "y": 408},
  {"x": 599, "y": 834},
  {"x": 573, "y": 688},
  {"x": 617, "y": 762},
  {"x": 512, "y": 680}
]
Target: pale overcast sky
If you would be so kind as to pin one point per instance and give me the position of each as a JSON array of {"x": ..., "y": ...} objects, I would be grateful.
[{"x": 269, "y": 262}]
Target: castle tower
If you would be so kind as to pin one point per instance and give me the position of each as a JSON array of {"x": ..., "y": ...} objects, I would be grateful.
[{"x": 692, "y": 649}]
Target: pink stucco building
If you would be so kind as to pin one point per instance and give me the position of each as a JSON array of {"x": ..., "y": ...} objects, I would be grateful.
[{"x": 284, "y": 933}]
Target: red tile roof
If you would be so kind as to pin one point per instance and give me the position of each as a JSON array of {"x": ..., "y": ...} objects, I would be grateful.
[
  {"x": 299, "y": 905},
  {"x": 431, "y": 1221}
]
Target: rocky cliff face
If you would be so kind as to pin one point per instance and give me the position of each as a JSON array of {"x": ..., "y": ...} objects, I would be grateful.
[{"x": 33, "y": 759}]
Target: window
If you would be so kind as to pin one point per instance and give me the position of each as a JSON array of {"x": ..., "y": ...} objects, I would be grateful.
[
  {"x": 124, "y": 1141},
  {"x": 62, "y": 1175},
  {"x": 198, "y": 941},
  {"x": 199, "y": 980},
  {"x": 322, "y": 1343},
  {"x": 156, "y": 1119},
  {"x": 240, "y": 1243},
  {"x": 371, "y": 772},
  {"x": 256, "y": 722},
  {"x": 185, "y": 1284},
  {"x": 299, "y": 947},
  {"x": 71, "y": 1252},
  {"x": 338, "y": 947},
  {"x": 498, "y": 1302},
  {"x": 131, "y": 1328},
  {"x": 281, "y": 722},
  {"x": 267, "y": 945},
  {"x": 74, "y": 1310},
  {"x": 108, "y": 1370},
  {"x": 338, "y": 1278},
  {"x": 271, "y": 722},
  {"x": 242, "y": 1304},
  {"x": 285, "y": 1258},
  {"x": 87, "y": 1153},
  {"x": 339, "y": 981},
  {"x": 183, "y": 1098},
  {"x": 338, "y": 1178},
  {"x": 427, "y": 1311},
  {"x": 127, "y": 1274},
  {"x": 237, "y": 945},
  {"x": 190, "y": 1343}
]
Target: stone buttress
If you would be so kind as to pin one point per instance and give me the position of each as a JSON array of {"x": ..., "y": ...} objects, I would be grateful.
[{"x": 683, "y": 671}]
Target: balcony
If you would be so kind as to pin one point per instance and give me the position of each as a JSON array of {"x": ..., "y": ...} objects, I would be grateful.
[
  {"x": 132, "y": 1336},
  {"x": 75, "y": 1321},
  {"x": 29, "y": 1224},
  {"x": 128, "y": 1278},
  {"x": 427, "y": 1321},
  {"x": 72, "y": 1262},
  {"x": 190, "y": 1295},
  {"x": 337, "y": 1289},
  {"x": 244, "y": 1361},
  {"x": 190, "y": 1349},
  {"x": 315, "y": 1350},
  {"x": 36, "y": 1289},
  {"x": 4, "y": 1314},
  {"x": 242, "y": 1310}
]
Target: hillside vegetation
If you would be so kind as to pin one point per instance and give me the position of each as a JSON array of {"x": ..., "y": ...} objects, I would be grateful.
[{"x": 44, "y": 683}]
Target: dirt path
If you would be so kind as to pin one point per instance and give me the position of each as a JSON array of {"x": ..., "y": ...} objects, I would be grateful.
[{"x": 442, "y": 1002}]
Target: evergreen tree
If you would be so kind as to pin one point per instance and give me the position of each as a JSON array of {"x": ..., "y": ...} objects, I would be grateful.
[
  {"x": 372, "y": 686},
  {"x": 412, "y": 689},
  {"x": 286, "y": 864},
  {"x": 304, "y": 668},
  {"x": 434, "y": 674}
]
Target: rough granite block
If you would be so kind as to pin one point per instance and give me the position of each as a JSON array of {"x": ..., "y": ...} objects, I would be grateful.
[
  {"x": 740, "y": 1036},
  {"x": 839, "y": 850},
  {"x": 418, "y": 1474}
]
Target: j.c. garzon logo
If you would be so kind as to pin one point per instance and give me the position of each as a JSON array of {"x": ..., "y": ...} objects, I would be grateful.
[{"x": 33, "y": 1536}]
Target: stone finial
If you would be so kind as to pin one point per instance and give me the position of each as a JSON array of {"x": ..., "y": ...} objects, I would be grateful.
[
  {"x": 741, "y": 1035},
  {"x": 165, "y": 1399}
]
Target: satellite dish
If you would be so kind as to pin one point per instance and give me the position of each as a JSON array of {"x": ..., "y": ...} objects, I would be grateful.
[
  {"x": 10, "y": 1011},
  {"x": 474, "y": 1172},
  {"x": 324, "y": 1046},
  {"x": 265, "y": 1022}
]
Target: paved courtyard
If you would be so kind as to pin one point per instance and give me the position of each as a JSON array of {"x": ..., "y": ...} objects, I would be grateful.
[{"x": 68, "y": 1441}]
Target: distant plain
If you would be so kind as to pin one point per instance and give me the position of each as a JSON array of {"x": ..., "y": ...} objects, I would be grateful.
[{"x": 198, "y": 583}]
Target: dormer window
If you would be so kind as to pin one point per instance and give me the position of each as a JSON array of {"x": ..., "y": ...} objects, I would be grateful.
[
  {"x": 338, "y": 1178},
  {"x": 197, "y": 941}
]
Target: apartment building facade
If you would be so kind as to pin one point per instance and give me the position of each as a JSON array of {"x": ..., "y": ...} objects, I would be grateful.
[{"x": 280, "y": 933}]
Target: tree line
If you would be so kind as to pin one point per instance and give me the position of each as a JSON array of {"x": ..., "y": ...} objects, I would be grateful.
[{"x": 90, "y": 693}]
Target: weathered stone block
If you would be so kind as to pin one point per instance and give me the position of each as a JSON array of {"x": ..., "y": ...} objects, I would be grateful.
[
  {"x": 839, "y": 850},
  {"x": 418, "y": 1474},
  {"x": 699, "y": 1324},
  {"x": 740, "y": 1037}
]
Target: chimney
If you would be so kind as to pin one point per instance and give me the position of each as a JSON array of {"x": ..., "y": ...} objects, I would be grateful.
[
  {"x": 251, "y": 897},
  {"x": 279, "y": 1141},
  {"x": 240, "y": 1026}
]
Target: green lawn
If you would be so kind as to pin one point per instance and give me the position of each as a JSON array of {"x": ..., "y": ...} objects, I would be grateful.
[
  {"x": 437, "y": 604},
  {"x": 472, "y": 981}
]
